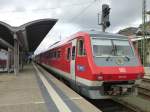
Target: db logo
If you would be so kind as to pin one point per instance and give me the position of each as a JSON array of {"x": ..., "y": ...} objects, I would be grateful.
[{"x": 122, "y": 70}]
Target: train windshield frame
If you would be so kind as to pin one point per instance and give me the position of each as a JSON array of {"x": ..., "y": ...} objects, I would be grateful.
[{"x": 104, "y": 47}]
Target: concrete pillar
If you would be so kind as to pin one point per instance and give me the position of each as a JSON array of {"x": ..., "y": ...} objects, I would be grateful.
[
  {"x": 16, "y": 53},
  {"x": 18, "y": 57},
  {"x": 21, "y": 60},
  {"x": 9, "y": 60},
  {"x": 15, "y": 57}
]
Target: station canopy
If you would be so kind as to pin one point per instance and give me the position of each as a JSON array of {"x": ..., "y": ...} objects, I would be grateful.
[
  {"x": 5, "y": 35},
  {"x": 29, "y": 35}
]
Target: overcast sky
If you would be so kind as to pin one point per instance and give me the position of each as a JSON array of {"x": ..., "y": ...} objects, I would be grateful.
[{"x": 72, "y": 15}]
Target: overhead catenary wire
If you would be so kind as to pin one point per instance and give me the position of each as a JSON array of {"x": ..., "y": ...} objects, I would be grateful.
[
  {"x": 63, "y": 6},
  {"x": 50, "y": 8},
  {"x": 83, "y": 11},
  {"x": 90, "y": 3}
]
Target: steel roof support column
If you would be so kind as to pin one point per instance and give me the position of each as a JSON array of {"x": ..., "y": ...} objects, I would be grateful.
[{"x": 16, "y": 53}]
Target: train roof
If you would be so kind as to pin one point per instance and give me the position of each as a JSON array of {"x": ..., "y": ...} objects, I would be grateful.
[
  {"x": 92, "y": 33},
  {"x": 105, "y": 34}
]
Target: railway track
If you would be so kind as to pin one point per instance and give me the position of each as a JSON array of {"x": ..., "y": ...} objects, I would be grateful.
[
  {"x": 144, "y": 88},
  {"x": 109, "y": 105},
  {"x": 115, "y": 105},
  {"x": 146, "y": 80}
]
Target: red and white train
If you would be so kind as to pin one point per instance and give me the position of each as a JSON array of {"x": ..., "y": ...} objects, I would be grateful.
[{"x": 96, "y": 64}]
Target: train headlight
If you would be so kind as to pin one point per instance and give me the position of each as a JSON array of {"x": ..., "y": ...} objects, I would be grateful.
[{"x": 100, "y": 77}]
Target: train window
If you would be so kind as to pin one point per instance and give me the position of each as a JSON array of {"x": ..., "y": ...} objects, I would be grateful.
[
  {"x": 68, "y": 54},
  {"x": 102, "y": 47},
  {"x": 47, "y": 54},
  {"x": 81, "y": 50},
  {"x": 106, "y": 47},
  {"x": 123, "y": 48},
  {"x": 50, "y": 54},
  {"x": 58, "y": 54},
  {"x": 73, "y": 52},
  {"x": 55, "y": 54}
]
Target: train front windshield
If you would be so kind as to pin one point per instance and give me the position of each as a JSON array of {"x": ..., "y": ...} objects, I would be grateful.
[{"x": 107, "y": 47}]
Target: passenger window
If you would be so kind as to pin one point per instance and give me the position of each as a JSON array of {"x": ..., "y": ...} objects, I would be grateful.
[
  {"x": 58, "y": 54},
  {"x": 73, "y": 52},
  {"x": 54, "y": 54},
  {"x": 68, "y": 54},
  {"x": 81, "y": 49}
]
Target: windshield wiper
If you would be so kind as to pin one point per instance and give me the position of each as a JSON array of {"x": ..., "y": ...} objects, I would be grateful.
[
  {"x": 109, "y": 56},
  {"x": 113, "y": 50},
  {"x": 127, "y": 58}
]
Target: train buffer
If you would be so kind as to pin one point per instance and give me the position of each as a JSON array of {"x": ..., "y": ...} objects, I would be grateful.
[{"x": 36, "y": 90}]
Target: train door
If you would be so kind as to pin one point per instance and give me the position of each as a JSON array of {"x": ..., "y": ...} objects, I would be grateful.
[{"x": 72, "y": 62}]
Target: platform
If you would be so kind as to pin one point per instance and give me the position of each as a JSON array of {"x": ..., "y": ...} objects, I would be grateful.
[
  {"x": 35, "y": 90},
  {"x": 21, "y": 93}
]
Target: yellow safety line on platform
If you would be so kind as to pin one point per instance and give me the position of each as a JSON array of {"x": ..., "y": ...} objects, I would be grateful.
[{"x": 62, "y": 107}]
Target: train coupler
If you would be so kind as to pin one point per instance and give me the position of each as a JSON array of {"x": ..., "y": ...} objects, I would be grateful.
[{"x": 120, "y": 90}]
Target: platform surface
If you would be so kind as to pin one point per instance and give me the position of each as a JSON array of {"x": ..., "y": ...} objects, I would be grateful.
[
  {"x": 73, "y": 101},
  {"x": 21, "y": 93},
  {"x": 27, "y": 92}
]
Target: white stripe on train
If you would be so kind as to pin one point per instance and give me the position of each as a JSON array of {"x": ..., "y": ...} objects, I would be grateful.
[{"x": 78, "y": 79}]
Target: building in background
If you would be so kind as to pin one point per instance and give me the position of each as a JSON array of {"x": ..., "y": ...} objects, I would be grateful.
[
  {"x": 136, "y": 35},
  {"x": 128, "y": 31}
]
